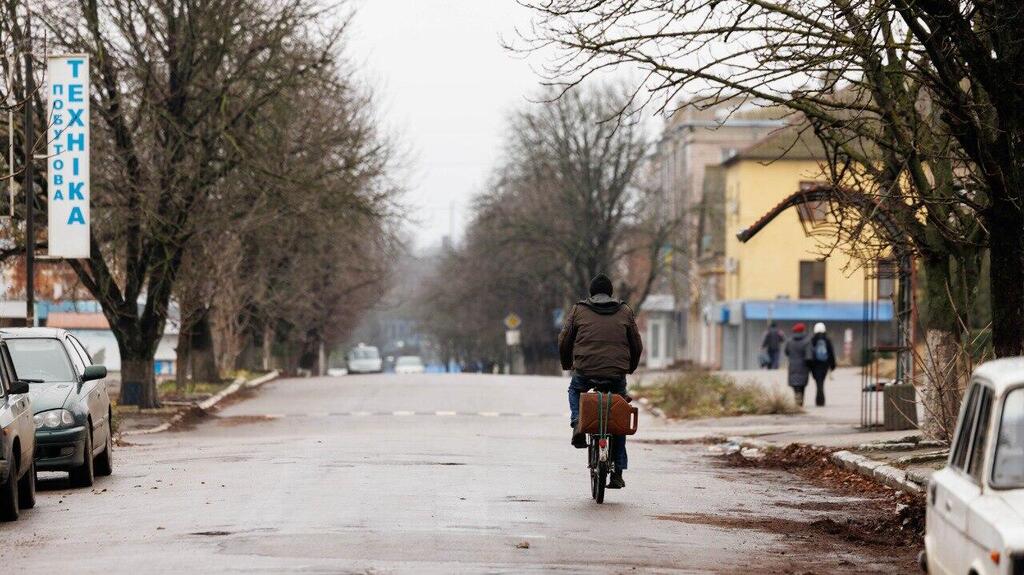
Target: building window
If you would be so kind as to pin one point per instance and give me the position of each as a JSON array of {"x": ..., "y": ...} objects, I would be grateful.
[
  {"x": 813, "y": 212},
  {"x": 887, "y": 271},
  {"x": 812, "y": 280}
]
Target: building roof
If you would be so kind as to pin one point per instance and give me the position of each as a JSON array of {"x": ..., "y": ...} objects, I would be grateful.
[
  {"x": 71, "y": 320},
  {"x": 794, "y": 142},
  {"x": 816, "y": 310}
]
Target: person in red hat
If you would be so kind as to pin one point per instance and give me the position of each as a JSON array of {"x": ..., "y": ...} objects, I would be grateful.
[{"x": 799, "y": 371}]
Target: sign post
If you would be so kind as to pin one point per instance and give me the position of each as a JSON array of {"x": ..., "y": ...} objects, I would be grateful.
[
  {"x": 513, "y": 340},
  {"x": 68, "y": 156},
  {"x": 29, "y": 185}
]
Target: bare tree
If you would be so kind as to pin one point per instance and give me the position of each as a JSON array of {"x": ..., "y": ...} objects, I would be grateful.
[
  {"x": 889, "y": 90},
  {"x": 563, "y": 205},
  {"x": 179, "y": 89}
]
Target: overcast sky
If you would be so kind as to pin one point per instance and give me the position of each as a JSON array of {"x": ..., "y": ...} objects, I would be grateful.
[{"x": 446, "y": 86}]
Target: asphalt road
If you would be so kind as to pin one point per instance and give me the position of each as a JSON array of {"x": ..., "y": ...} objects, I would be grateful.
[{"x": 423, "y": 474}]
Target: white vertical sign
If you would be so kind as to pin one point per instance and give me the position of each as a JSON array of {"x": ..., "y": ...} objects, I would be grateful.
[{"x": 67, "y": 161}]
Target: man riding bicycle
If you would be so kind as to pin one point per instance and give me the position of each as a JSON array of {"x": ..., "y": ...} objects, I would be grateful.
[{"x": 600, "y": 342}]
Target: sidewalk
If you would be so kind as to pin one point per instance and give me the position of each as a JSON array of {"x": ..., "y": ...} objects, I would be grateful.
[{"x": 836, "y": 426}]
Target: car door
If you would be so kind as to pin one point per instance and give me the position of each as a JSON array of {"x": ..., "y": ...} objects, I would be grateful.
[
  {"x": 99, "y": 400},
  {"x": 977, "y": 535},
  {"x": 87, "y": 390},
  {"x": 956, "y": 489},
  {"x": 19, "y": 406}
]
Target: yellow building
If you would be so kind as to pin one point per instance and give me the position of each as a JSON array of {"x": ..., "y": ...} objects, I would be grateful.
[{"x": 780, "y": 274}]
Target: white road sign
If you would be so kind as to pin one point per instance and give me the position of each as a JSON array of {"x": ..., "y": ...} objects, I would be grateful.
[{"x": 67, "y": 161}]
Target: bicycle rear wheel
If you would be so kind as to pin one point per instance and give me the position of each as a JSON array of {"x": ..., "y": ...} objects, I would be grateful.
[
  {"x": 602, "y": 480},
  {"x": 592, "y": 467}
]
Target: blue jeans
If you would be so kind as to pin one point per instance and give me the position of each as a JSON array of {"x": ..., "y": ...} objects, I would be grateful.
[{"x": 580, "y": 384}]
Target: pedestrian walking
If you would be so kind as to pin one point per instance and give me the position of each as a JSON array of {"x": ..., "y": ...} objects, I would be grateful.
[
  {"x": 771, "y": 346},
  {"x": 821, "y": 359},
  {"x": 796, "y": 353}
]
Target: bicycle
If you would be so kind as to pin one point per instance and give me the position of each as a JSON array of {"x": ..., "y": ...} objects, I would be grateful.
[{"x": 599, "y": 445}]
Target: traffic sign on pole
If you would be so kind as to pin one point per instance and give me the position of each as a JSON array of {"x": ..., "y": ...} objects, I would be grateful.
[{"x": 513, "y": 321}]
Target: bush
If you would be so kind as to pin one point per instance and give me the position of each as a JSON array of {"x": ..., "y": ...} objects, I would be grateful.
[{"x": 696, "y": 394}]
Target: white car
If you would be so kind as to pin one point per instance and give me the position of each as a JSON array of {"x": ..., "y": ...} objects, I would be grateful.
[
  {"x": 975, "y": 516},
  {"x": 409, "y": 364},
  {"x": 364, "y": 359}
]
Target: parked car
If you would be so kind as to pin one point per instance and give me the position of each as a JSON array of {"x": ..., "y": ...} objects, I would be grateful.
[
  {"x": 975, "y": 514},
  {"x": 17, "y": 469},
  {"x": 364, "y": 359},
  {"x": 409, "y": 364},
  {"x": 69, "y": 399}
]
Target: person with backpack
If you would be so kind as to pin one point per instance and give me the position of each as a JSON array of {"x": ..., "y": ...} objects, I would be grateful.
[
  {"x": 771, "y": 346},
  {"x": 821, "y": 359},
  {"x": 798, "y": 371}
]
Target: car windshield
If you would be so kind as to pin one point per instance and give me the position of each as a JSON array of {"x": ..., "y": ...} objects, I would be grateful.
[
  {"x": 1008, "y": 466},
  {"x": 409, "y": 360},
  {"x": 40, "y": 360},
  {"x": 364, "y": 353}
]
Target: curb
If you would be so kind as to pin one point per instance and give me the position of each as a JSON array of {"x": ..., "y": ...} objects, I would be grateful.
[
  {"x": 206, "y": 404},
  {"x": 883, "y": 473},
  {"x": 888, "y": 475}
]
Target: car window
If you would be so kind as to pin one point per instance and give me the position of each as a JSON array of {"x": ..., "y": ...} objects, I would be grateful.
[
  {"x": 365, "y": 353},
  {"x": 40, "y": 360},
  {"x": 976, "y": 459},
  {"x": 76, "y": 359},
  {"x": 963, "y": 436},
  {"x": 409, "y": 360},
  {"x": 7, "y": 374},
  {"x": 1008, "y": 464},
  {"x": 78, "y": 347}
]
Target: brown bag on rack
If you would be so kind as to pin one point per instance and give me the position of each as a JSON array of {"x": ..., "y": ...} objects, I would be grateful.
[{"x": 622, "y": 417}]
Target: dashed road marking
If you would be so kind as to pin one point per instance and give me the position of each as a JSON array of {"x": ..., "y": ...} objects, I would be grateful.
[
  {"x": 446, "y": 413},
  {"x": 403, "y": 413}
]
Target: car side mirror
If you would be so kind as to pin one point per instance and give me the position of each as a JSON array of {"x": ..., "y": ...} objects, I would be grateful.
[
  {"x": 94, "y": 372},
  {"x": 19, "y": 387}
]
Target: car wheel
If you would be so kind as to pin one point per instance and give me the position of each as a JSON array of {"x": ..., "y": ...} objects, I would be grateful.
[
  {"x": 105, "y": 461},
  {"x": 27, "y": 488},
  {"x": 82, "y": 476},
  {"x": 9, "y": 495}
]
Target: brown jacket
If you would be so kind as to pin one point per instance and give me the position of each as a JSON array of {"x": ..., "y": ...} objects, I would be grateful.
[{"x": 600, "y": 338}]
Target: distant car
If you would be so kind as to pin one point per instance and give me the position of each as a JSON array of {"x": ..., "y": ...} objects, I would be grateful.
[
  {"x": 336, "y": 371},
  {"x": 364, "y": 359},
  {"x": 409, "y": 364},
  {"x": 975, "y": 513},
  {"x": 72, "y": 409},
  {"x": 17, "y": 470}
]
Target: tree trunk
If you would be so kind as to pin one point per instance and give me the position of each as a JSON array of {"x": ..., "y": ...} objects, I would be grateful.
[
  {"x": 204, "y": 362},
  {"x": 181, "y": 374},
  {"x": 1006, "y": 273},
  {"x": 137, "y": 369},
  {"x": 268, "y": 345},
  {"x": 942, "y": 362}
]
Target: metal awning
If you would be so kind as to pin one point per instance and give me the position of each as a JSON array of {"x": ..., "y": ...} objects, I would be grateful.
[{"x": 816, "y": 310}]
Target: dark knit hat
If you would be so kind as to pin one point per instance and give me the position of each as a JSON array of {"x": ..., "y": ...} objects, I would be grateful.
[{"x": 601, "y": 284}]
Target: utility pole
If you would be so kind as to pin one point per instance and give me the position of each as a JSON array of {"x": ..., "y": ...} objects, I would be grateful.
[{"x": 30, "y": 138}]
